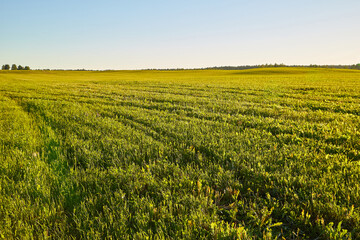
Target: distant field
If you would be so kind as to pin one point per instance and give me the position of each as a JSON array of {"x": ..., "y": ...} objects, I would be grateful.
[{"x": 207, "y": 154}]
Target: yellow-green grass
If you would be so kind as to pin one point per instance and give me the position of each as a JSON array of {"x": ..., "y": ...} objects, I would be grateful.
[{"x": 261, "y": 153}]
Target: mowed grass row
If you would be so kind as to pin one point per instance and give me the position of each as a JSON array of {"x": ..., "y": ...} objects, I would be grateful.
[{"x": 264, "y": 153}]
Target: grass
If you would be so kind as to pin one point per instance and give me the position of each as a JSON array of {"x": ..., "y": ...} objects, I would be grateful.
[{"x": 205, "y": 154}]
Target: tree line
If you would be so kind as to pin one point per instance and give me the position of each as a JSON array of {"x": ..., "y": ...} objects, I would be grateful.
[
  {"x": 244, "y": 67},
  {"x": 354, "y": 66},
  {"x": 14, "y": 67}
]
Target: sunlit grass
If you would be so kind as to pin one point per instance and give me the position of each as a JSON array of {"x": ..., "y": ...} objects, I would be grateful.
[{"x": 261, "y": 153}]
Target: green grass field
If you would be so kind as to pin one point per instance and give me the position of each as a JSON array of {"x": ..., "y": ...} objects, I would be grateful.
[{"x": 205, "y": 154}]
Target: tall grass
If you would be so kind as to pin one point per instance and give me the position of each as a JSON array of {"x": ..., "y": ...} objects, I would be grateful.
[{"x": 261, "y": 153}]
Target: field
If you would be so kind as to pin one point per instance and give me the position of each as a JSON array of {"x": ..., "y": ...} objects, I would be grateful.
[{"x": 194, "y": 154}]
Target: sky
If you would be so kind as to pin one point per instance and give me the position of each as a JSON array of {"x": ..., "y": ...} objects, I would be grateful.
[{"x": 143, "y": 34}]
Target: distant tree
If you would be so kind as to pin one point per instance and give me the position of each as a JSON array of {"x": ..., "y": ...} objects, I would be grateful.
[
  {"x": 6, "y": 67},
  {"x": 27, "y": 68},
  {"x": 3, "y": 67},
  {"x": 20, "y": 67},
  {"x": 13, "y": 67}
]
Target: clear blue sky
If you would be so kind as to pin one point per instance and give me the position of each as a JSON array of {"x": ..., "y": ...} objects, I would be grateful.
[{"x": 136, "y": 34}]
